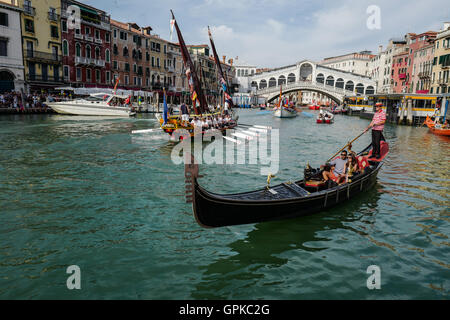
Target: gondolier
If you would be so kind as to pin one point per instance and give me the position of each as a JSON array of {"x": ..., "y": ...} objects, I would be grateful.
[{"x": 377, "y": 125}]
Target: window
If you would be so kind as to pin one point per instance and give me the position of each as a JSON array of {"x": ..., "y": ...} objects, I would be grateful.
[
  {"x": 88, "y": 75},
  {"x": 125, "y": 52},
  {"x": 156, "y": 47},
  {"x": 153, "y": 61},
  {"x": 97, "y": 34},
  {"x": 3, "y": 19},
  {"x": 64, "y": 26},
  {"x": 54, "y": 31},
  {"x": 88, "y": 51},
  {"x": 157, "y": 62},
  {"x": 78, "y": 50},
  {"x": 123, "y": 35},
  {"x": 127, "y": 81},
  {"x": 107, "y": 57},
  {"x": 66, "y": 72},
  {"x": 115, "y": 65},
  {"x": 98, "y": 77},
  {"x": 107, "y": 37},
  {"x": 78, "y": 74},
  {"x": 65, "y": 48},
  {"x": 127, "y": 67},
  {"x": 87, "y": 31},
  {"x": 3, "y": 48},
  {"x": 115, "y": 33},
  {"x": 115, "y": 50},
  {"x": 29, "y": 25},
  {"x": 108, "y": 77}
]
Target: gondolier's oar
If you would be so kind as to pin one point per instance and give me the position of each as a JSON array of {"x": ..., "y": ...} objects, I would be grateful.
[
  {"x": 348, "y": 144},
  {"x": 145, "y": 131}
]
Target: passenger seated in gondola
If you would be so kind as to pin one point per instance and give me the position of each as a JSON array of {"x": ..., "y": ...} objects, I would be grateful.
[
  {"x": 351, "y": 168},
  {"x": 328, "y": 175},
  {"x": 340, "y": 163}
]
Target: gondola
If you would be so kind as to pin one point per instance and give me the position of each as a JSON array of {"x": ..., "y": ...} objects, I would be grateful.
[{"x": 284, "y": 201}]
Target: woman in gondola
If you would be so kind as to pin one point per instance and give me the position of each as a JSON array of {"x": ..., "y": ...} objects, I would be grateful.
[{"x": 351, "y": 167}]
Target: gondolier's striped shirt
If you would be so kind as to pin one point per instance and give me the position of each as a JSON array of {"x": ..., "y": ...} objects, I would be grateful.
[{"x": 379, "y": 117}]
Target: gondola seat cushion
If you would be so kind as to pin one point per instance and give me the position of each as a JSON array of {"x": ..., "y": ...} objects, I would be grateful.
[
  {"x": 363, "y": 162},
  {"x": 314, "y": 184}
]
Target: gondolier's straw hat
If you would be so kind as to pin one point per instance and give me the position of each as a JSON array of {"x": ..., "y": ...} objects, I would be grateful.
[{"x": 378, "y": 104}]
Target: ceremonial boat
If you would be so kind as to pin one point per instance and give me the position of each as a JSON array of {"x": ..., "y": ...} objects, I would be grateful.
[{"x": 284, "y": 201}]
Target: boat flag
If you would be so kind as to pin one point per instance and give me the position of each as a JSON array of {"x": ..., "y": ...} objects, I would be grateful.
[
  {"x": 172, "y": 24},
  {"x": 166, "y": 109}
]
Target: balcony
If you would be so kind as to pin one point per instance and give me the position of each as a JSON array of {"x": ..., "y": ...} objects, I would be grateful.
[
  {"x": 170, "y": 69},
  {"x": 78, "y": 36},
  {"x": 29, "y": 11},
  {"x": 80, "y": 60},
  {"x": 402, "y": 76},
  {"x": 53, "y": 16},
  {"x": 99, "y": 63},
  {"x": 40, "y": 78},
  {"x": 99, "y": 41},
  {"x": 42, "y": 56},
  {"x": 424, "y": 75},
  {"x": 88, "y": 38}
]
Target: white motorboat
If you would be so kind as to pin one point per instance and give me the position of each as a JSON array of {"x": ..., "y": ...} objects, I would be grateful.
[
  {"x": 285, "y": 113},
  {"x": 99, "y": 104}
]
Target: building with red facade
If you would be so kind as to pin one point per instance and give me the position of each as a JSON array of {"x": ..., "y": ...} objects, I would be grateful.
[
  {"x": 87, "y": 49},
  {"x": 399, "y": 72},
  {"x": 421, "y": 54}
]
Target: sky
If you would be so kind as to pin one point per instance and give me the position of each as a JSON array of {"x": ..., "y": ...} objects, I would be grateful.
[{"x": 276, "y": 33}]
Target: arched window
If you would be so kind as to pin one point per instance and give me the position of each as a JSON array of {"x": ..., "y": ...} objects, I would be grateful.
[
  {"x": 88, "y": 51},
  {"x": 107, "y": 57},
  {"x": 65, "y": 48},
  {"x": 370, "y": 90},
  {"x": 97, "y": 53},
  {"x": 125, "y": 52},
  {"x": 330, "y": 81},
  {"x": 360, "y": 88},
  {"x": 272, "y": 82},
  {"x": 291, "y": 78},
  {"x": 78, "y": 50},
  {"x": 263, "y": 84},
  {"x": 320, "y": 78},
  {"x": 340, "y": 83},
  {"x": 350, "y": 86}
]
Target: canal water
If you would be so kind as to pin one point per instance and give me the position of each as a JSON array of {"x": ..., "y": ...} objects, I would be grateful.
[{"x": 85, "y": 191}]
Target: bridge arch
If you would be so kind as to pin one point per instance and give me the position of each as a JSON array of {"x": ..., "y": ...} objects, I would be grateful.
[
  {"x": 340, "y": 83},
  {"x": 370, "y": 90},
  {"x": 349, "y": 85},
  {"x": 291, "y": 78},
  {"x": 254, "y": 84},
  {"x": 263, "y": 84},
  {"x": 330, "y": 81},
  {"x": 281, "y": 80},
  {"x": 272, "y": 82},
  {"x": 359, "y": 88},
  {"x": 306, "y": 71},
  {"x": 275, "y": 96},
  {"x": 320, "y": 78}
]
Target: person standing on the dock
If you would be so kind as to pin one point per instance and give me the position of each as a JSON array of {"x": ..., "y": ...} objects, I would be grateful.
[{"x": 377, "y": 125}]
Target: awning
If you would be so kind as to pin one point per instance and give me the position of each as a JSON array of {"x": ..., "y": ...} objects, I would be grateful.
[{"x": 88, "y": 10}]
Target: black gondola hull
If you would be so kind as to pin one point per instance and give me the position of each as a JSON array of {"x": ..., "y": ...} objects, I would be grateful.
[{"x": 214, "y": 210}]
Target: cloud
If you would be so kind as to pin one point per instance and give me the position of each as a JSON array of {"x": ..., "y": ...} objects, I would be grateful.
[{"x": 272, "y": 33}]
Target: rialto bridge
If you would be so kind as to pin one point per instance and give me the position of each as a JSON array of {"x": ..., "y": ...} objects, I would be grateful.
[{"x": 310, "y": 76}]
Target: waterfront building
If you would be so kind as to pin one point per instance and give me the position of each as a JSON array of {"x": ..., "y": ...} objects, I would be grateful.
[
  {"x": 207, "y": 71},
  {"x": 11, "y": 57},
  {"x": 140, "y": 59},
  {"x": 394, "y": 47},
  {"x": 41, "y": 42},
  {"x": 421, "y": 54},
  {"x": 243, "y": 71},
  {"x": 86, "y": 50},
  {"x": 377, "y": 67},
  {"x": 356, "y": 62},
  {"x": 440, "y": 80},
  {"x": 399, "y": 75}
]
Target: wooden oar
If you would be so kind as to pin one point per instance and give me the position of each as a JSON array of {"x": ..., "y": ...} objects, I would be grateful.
[
  {"x": 145, "y": 131},
  {"x": 348, "y": 144}
]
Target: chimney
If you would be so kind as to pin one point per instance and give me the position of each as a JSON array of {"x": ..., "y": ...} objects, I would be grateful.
[{"x": 223, "y": 58}]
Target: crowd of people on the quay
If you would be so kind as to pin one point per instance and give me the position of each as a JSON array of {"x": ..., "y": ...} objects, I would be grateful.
[{"x": 35, "y": 100}]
